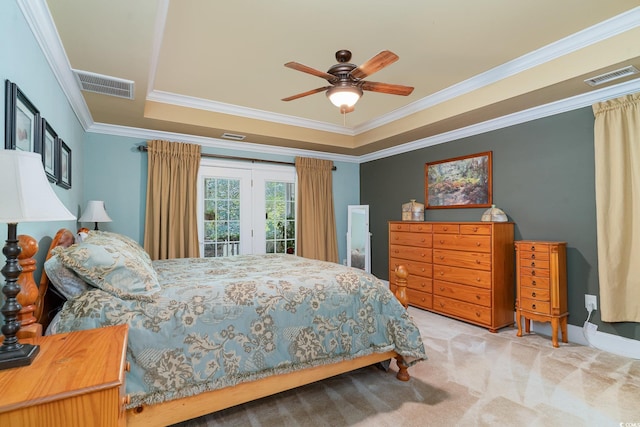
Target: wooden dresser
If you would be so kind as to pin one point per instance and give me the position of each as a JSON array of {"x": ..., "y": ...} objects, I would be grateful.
[
  {"x": 460, "y": 269},
  {"x": 77, "y": 379},
  {"x": 541, "y": 271}
]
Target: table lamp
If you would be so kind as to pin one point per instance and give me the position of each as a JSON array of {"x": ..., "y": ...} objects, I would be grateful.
[
  {"x": 26, "y": 196},
  {"x": 95, "y": 212}
]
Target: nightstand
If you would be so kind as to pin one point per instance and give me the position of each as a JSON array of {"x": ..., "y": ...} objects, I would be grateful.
[
  {"x": 77, "y": 379},
  {"x": 541, "y": 271}
]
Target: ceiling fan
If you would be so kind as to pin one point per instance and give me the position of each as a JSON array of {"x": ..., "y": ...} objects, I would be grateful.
[{"x": 347, "y": 84}]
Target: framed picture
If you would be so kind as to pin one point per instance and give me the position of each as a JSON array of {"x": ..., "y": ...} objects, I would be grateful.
[
  {"x": 461, "y": 182},
  {"x": 49, "y": 151},
  {"x": 22, "y": 121},
  {"x": 64, "y": 164}
]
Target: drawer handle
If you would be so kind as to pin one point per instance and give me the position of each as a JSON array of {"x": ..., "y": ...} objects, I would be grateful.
[
  {"x": 419, "y": 227},
  {"x": 422, "y": 299},
  {"x": 397, "y": 251},
  {"x": 442, "y": 273},
  {"x": 478, "y": 297},
  {"x": 477, "y": 243},
  {"x": 533, "y": 306},
  {"x": 422, "y": 269},
  {"x": 441, "y": 256},
  {"x": 533, "y": 283},
  {"x": 441, "y": 241},
  {"x": 422, "y": 255},
  {"x": 533, "y": 264},
  {"x": 477, "y": 314},
  {"x": 533, "y": 256},
  {"x": 397, "y": 237},
  {"x": 533, "y": 294},
  {"x": 423, "y": 240},
  {"x": 441, "y": 289},
  {"x": 398, "y": 226},
  {"x": 441, "y": 304},
  {"x": 424, "y": 285},
  {"x": 445, "y": 228},
  {"x": 478, "y": 279},
  {"x": 533, "y": 248},
  {"x": 477, "y": 261},
  {"x": 533, "y": 273},
  {"x": 475, "y": 229}
]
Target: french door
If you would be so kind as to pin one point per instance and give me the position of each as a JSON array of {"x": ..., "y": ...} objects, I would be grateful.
[{"x": 245, "y": 209}]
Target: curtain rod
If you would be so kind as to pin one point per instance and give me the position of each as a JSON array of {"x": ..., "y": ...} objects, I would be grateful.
[{"x": 247, "y": 159}]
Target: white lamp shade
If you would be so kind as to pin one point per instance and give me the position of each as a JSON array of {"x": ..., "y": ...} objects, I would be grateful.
[
  {"x": 95, "y": 212},
  {"x": 344, "y": 95},
  {"x": 25, "y": 192}
]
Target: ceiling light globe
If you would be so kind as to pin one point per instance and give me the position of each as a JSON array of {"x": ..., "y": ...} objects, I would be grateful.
[{"x": 344, "y": 95}]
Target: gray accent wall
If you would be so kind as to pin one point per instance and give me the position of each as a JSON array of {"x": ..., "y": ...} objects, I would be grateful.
[{"x": 543, "y": 178}]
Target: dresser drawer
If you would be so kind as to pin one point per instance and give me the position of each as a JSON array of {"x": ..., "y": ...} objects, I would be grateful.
[
  {"x": 446, "y": 228},
  {"x": 542, "y": 307},
  {"x": 544, "y": 256},
  {"x": 420, "y": 299},
  {"x": 535, "y": 272},
  {"x": 535, "y": 282},
  {"x": 399, "y": 226},
  {"x": 422, "y": 240},
  {"x": 484, "y": 229},
  {"x": 476, "y": 260},
  {"x": 419, "y": 227},
  {"x": 419, "y": 283},
  {"x": 463, "y": 310},
  {"x": 539, "y": 294},
  {"x": 410, "y": 252},
  {"x": 413, "y": 267},
  {"x": 463, "y": 293},
  {"x": 465, "y": 276},
  {"x": 463, "y": 242},
  {"x": 535, "y": 247},
  {"x": 534, "y": 263}
]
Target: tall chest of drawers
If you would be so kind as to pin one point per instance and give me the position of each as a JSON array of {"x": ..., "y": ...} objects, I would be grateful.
[
  {"x": 465, "y": 272},
  {"x": 542, "y": 285}
]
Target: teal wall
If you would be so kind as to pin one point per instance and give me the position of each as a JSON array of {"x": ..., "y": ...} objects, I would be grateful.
[
  {"x": 543, "y": 178},
  {"x": 117, "y": 174},
  {"x": 22, "y": 62}
]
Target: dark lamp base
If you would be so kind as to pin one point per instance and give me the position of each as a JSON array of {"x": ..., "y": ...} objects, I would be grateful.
[{"x": 22, "y": 356}]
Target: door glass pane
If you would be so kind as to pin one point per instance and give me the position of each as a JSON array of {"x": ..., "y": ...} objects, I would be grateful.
[
  {"x": 221, "y": 217},
  {"x": 280, "y": 217}
]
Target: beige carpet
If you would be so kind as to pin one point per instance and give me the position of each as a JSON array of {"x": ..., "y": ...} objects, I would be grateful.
[{"x": 472, "y": 378}]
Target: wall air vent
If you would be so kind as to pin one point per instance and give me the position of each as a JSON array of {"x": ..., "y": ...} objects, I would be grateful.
[
  {"x": 233, "y": 136},
  {"x": 612, "y": 75},
  {"x": 106, "y": 85}
]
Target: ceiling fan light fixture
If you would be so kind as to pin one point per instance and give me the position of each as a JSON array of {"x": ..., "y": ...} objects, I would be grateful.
[{"x": 344, "y": 95}]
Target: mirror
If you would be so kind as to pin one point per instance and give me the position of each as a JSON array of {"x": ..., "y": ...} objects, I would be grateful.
[{"x": 358, "y": 238}]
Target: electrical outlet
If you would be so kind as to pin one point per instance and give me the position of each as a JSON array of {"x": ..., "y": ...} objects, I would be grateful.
[{"x": 590, "y": 302}]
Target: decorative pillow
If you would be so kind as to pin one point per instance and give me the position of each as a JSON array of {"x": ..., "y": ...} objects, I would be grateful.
[
  {"x": 113, "y": 263},
  {"x": 65, "y": 280}
]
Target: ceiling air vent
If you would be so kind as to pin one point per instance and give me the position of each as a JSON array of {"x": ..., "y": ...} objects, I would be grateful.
[
  {"x": 612, "y": 75},
  {"x": 106, "y": 85},
  {"x": 233, "y": 136}
]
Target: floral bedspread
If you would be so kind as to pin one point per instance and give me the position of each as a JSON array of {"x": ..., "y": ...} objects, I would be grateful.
[{"x": 221, "y": 321}]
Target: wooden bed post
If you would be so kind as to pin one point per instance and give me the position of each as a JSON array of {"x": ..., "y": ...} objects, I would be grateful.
[{"x": 401, "y": 285}]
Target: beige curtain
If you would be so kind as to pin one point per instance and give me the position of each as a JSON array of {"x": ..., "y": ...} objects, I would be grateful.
[
  {"x": 617, "y": 159},
  {"x": 171, "y": 229},
  {"x": 316, "y": 219}
]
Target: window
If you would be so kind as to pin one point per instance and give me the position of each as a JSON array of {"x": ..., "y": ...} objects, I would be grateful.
[{"x": 245, "y": 210}]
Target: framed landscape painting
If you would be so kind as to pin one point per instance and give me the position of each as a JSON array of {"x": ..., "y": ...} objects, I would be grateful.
[
  {"x": 22, "y": 121},
  {"x": 461, "y": 182}
]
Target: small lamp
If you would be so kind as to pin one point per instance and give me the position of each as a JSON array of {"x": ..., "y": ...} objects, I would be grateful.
[
  {"x": 26, "y": 196},
  {"x": 95, "y": 212}
]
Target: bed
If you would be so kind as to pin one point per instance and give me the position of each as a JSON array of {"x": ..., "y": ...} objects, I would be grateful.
[{"x": 206, "y": 334}]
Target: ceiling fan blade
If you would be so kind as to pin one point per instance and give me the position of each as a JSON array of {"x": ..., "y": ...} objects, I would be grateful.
[
  {"x": 387, "y": 88},
  {"x": 309, "y": 92},
  {"x": 309, "y": 70},
  {"x": 374, "y": 64}
]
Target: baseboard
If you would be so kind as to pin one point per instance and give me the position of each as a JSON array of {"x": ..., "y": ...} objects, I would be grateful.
[{"x": 601, "y": 340}]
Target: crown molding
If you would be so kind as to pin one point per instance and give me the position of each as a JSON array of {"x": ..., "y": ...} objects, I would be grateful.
[
  {"x": 37, "y": 15},
  {"x": 250, "y": 147},
  {"x": 535, "y": 113},
  {"x": 236, "y": 110}
]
